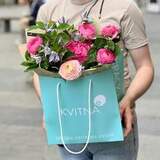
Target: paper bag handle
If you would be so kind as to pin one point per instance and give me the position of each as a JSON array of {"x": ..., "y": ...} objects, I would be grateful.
[{"x": 89, "y": 119}]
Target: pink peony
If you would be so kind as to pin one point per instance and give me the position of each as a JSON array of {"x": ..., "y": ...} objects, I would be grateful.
[
  {"x": 79, "y": 49},
  {"x": 34, "y": 44},
  {"x": 105, "y": 56},
  {"x": 70, "y": 70},
  {"x": 87, "y": 30},
  {"x": 82, "y": 49},
  {"x": 79, "y": 58},
  {"x": 110, "y": 30},
  {"x": 72, "y": 45}
]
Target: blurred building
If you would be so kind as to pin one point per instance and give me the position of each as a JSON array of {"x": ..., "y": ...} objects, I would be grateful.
[{"x": 8, "y": 2}]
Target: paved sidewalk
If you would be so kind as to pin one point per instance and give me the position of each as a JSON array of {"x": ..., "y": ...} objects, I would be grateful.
[
  {"x": 21, "y": 136},
  {"x": 148, "y": 106}
]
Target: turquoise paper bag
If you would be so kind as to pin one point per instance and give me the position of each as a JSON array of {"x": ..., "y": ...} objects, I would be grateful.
[{"x": 85, "y": 110}]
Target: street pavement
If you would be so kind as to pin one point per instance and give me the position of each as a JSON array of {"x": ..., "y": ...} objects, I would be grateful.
[
  {"x": 148, "y": 106},
  {"x": 21, "y": 134}
]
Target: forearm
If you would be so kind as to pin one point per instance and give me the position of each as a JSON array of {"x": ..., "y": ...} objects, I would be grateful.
[
  {"x": 37, "y": 91},
  {"x": 141, "y": 82},
  {"x": 36, "y": 84}
]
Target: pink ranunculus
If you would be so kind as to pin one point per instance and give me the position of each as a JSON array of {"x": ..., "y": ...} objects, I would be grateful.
[
  {"x": 110, "y": 30},
  {"x": 87, "y": 30},
  {"x": 71, "y": 45},
  {"x": 80, "y": 49},
  {"x": 81, "y": 59},
  {"x": 70, "y": 70},
  {"x": 105, "y": 56},
  {"x": 34, "y": 44}
]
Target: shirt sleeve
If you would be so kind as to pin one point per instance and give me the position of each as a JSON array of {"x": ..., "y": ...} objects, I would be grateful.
[{"x": 133, "y": 28}]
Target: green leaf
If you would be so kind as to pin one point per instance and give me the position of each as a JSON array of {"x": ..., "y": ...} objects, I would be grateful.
[
  {"x": 53, "y": 34},
  {"x": 49, "y": 37},
  {"x": 59, "y": 40},
  {"x": 110, "y": 45},
  {"x": 27, "y": 56},
  {"x": 72, "y": 29},
  {"x": 64, "y": 37},
  {"x": 100, "y": 43},
  {"x": 31, "y": 68},
  {"x": 52, "y": 24},
  {"x": 67, "y": 55},
  {"x": 28, "y": 63},
  {"x": 92, "y": 55},
  {"x": 45, "y": 64},
  {"x": 91, "y": 65},
  {"x": 25, "y": 64},
  {"x": 91, "y": 59},
  {"x": 32, "y": 28},
  {"x": 40, "y": 25},
  {"x": 63, "y": 26},
  {"x": 117, "y": 49},
  {"x": 55, "y": 46}
]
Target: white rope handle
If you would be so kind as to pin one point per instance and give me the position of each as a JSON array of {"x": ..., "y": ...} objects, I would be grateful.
[{"x": 89, "y": 119}]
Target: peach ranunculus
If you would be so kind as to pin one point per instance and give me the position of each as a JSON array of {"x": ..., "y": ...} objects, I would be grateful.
[
  {"x": 105, "y": 56},
  {"x": 110, "y": 30},
  {"x": 34, "y": 44},
  {"x": 70, "y": 70},
  {"x": 87, "y": 30}
]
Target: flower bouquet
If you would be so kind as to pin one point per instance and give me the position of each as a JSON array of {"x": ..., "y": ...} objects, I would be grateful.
[
  {"x": 77, "y": 79},
  {"x": 68, "y": 51}
]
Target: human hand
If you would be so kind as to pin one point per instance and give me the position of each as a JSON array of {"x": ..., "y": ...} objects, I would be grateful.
[{"x": 127, "y": 114}]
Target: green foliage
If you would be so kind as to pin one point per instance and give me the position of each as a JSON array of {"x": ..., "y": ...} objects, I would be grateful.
[
  {"x": 40, "y": 25},
  {"x": 110, "y": 45},
  {"x": 63, "y": 37},
  {"x": 56, "y": 36},
  {"x": 31, "y": 67},
  {"x": 27, "y": 56},
  {"x": 92, "y": 55},
  {"x": 52, "y": 24},
  {"x": 63, "y": 26},
  {"x": 45, "y": 65},
  {"x": 100, "y": 43},
  {"x": 28, "y": 60},
  {"x": 67, "y": 55},
  {"x": 33, "y": 27},
  {"x": 91, "y": 61},
  {"x": 29, "y": 63},
  {"x": 117, "y": 49},
  {"x": 91, "y": 65}
]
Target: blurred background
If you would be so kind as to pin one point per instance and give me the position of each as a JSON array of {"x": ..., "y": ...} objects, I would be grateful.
[{"x": 21, "y": 133}]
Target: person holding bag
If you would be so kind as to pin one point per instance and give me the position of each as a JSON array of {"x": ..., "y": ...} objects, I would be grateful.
[{"x": 126, "y": 15}]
